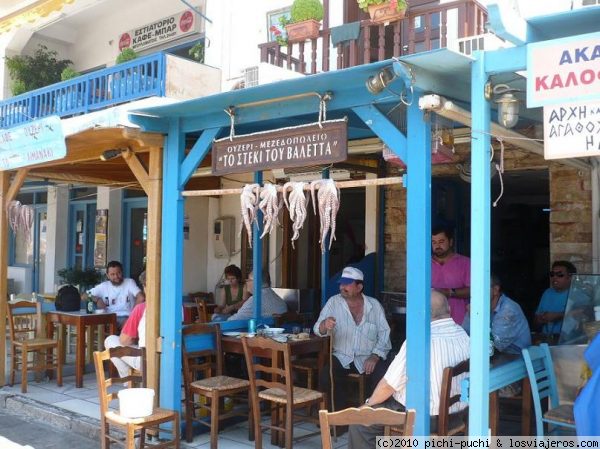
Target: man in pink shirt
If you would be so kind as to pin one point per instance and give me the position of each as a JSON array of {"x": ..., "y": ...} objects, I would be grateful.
[{"x": 450, "y": 272}]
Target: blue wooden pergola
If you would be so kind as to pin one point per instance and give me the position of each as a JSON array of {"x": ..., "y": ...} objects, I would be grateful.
[{"x": 443, "y": 72}]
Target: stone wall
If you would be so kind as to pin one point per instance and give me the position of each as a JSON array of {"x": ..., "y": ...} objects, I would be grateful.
[{"x": 571, "y": 216}]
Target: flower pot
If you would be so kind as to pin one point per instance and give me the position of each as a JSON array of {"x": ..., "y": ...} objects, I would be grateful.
[
  {"x": 385, "y": 13},
  {"x": 301, "y": 31}
]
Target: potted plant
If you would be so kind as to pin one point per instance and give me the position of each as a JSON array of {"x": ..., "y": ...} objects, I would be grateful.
[
  {"x": 384, "y": 11},
  {"x": 305, "y": 20},
  {"x": 127, "y": 54},
  {"x": 78, "y": 277}
]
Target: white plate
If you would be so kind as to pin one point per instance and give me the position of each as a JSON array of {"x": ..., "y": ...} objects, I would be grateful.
[{"x": 231, "y": 334}]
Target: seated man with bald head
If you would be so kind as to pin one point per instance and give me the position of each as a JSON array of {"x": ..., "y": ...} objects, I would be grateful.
[{"x": 449, "y": 347}]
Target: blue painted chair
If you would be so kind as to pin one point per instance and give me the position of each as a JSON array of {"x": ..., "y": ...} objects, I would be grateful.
[{"x": 540, "y": 370}]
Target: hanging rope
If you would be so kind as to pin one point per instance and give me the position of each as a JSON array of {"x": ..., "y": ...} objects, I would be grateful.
[
  {"x": 323, "y": 99},
  {"x": 231, "y": 113},
  {"x": 500, "y": 169}
]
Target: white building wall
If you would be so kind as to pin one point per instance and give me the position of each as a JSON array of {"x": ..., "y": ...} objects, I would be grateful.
[
  {"x": 57, "y": 235},
  {"x": 195, "y": 248}
]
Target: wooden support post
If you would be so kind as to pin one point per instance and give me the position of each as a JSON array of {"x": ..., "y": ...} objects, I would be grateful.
[
  {"x": 153, "y": 272},
  {"x": 8, "y": 192},
  {"x": 3, "y": 272},
  {"x": 151, "y": 182}
]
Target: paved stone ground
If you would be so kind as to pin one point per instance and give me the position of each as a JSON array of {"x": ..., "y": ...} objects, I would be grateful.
[{"x": 23, "y": 432}]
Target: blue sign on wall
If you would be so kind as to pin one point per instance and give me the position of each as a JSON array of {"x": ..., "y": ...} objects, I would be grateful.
[{"x": 31, "y": 144}]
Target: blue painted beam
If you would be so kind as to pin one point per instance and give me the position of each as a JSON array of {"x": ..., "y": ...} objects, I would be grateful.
[
  {"x": 418, "y": 264},
  {"x": 196, "y": 155},
  {"x": 257, "y": 255},
  {"x": 386, "y": 130},
  {"x": 325, "y": 258},
  {"x": 507, "y": 23},
  {"x": 172, "y": 269},
  {"x": 480, "y": 251},
  {"x": 150, "y": 124},
  {"x": 506, "y": 60}
]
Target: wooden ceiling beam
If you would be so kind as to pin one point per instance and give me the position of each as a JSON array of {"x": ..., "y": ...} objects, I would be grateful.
[{"x": 138, "y": 170}]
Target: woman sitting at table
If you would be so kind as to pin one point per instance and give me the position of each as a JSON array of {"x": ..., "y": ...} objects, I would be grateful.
[{"x": 232, "y": 295}]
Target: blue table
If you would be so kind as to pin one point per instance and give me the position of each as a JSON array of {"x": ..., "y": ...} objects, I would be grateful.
[{"x": 505, "y": 370}]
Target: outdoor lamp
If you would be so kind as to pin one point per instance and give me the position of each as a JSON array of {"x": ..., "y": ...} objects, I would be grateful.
[
  {"x": 508, "y": 105},
  {"x": 376, "y": 83},
  {"x": 110, "y": 154}
]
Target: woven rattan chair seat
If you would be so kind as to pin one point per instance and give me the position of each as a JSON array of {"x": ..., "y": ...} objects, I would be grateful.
[
  {"x": 562, "y": 413},
  {"x": 300, "y": 395},
  {"x": 158, "y": 415},
  {"x": 36, "y": 342},
  {"x": 220, "y": 383}
]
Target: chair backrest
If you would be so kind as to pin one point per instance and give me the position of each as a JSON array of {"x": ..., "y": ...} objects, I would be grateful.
[
  {"x": 24, "y": 320},
  {"x": 104, "y": 382},
  {"x": 365, "y": 416},
  {"x": 261, "y": 350},
  {"x": 201, "y": 298},
  {"x": 540, "y": 371},
  {"x": 287, "y": 319},
  {"x": 201, "y": 351},
  {"x": 447, "y": 400}
]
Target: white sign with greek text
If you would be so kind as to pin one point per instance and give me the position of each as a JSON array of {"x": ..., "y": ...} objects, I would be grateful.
[
  {"x": 563, "y": 70},
  {"x": 572, "y": 130},
  {"x": 34, "y": 143}
]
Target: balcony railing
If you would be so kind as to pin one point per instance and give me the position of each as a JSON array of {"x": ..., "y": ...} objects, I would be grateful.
[
  {"x": 423, "y": 28},
  {"x": 140, "y": 78}
]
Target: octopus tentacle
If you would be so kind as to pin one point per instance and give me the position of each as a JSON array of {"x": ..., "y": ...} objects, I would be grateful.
[
  {"x": 269, "y": 205},
  {"x": 248, "y": 202}
]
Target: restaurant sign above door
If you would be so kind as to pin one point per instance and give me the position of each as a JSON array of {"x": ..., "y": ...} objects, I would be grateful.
[{"x": 299, "y": 146}]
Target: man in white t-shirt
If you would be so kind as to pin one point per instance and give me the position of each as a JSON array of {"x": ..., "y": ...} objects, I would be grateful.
[{"x": 117, "y": 294}]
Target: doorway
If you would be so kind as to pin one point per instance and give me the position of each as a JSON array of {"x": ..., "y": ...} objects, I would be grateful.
[{"x": 136, "y": 236}]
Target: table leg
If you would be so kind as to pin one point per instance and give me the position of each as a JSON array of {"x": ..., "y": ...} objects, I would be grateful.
[
  {"x": 526, "y": 405},
  {"x": 494, "y": 413},
  {"x": 50, "y": 335},
  {"x": 112, "y": 370},
  {"x": 80, "y": 355}
]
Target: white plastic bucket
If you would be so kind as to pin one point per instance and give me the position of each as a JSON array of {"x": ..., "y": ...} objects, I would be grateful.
[{"x": 136, "y": 402}]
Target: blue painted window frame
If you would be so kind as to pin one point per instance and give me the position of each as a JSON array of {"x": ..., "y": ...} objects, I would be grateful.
[
  {"x": 128, "y": 205},
  {"x": 89, "y": 210}
]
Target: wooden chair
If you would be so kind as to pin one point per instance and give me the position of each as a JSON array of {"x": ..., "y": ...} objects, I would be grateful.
[
  {"x": 450, "y": 424},
  {"x": 201, "y": 299},
  {"x": 540, "y": 371},
  {"x": 26, "y": 336},
  {"x": 202, "y": 353},
  {"x": 360, "y": 380},
  {"x": 132, "y": 427},
  {"x": 366, "y": 416},
  {"x": 274, "y": 384}
]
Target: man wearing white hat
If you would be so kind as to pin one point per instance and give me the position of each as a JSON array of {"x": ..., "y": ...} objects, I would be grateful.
[{"x": 360, "y": 333}]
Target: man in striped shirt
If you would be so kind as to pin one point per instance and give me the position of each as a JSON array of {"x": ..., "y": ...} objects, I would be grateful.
[
  {"x": 360, "y": 333},
  {"x": 449, "y": 347}
]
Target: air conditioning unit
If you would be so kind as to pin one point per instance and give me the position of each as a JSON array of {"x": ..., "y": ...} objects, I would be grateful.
[
  {"x": 265, "y": 73},
  {"x": 487, "y": 41},
  {"x": 577, "y": 4}
]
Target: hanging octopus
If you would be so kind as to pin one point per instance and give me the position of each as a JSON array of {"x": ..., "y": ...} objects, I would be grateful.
[
  {"x": 296, "y": 206},
  {"x": 249, "y": 204},
  {"x": 20, "y": 218},
  {"x": 328, "y": 200},
  {"x": 269, "y": 205}
]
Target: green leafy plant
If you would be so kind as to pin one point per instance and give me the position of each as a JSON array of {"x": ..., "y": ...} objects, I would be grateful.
[
  {"x": 32, "y": 72},
  {"x": 306, "y": 10},
  {"x": 68, "y": 73},
  {"x": 127, "y": 54},
  {"x": 197, "y": 52},
  {"x": 76, "y": 276},
  {"x": 400, "y": 4}
]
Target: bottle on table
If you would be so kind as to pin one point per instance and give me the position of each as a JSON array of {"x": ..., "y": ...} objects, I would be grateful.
[{"x": 90, "y": 306}]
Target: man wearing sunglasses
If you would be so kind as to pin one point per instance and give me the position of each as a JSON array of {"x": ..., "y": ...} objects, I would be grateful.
[{"x": 551, "y": 310}]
